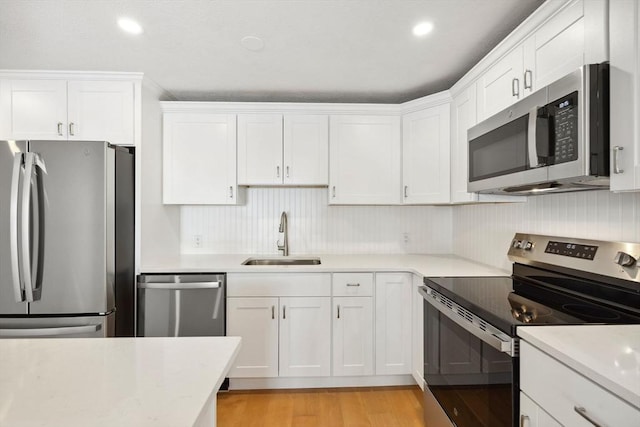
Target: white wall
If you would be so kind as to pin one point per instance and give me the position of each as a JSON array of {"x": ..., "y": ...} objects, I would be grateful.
[
  {"x": 484, "y": 232},
  {"x": 160, "y": 224},
  {"x": 314, "y": 227}
]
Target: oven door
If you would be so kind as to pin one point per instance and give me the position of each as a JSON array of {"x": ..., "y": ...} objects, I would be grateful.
[{"x": 473, "y": 379}]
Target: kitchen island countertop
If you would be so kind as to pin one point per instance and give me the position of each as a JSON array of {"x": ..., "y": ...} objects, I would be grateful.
[
  {"x": 120, "y": 382},
  {"x": 608, "y": 355},
  {"x": 424, "y": 265}
]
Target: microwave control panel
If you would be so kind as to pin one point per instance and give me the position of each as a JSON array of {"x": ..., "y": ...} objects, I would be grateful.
[{"x": 564, "y": 113}]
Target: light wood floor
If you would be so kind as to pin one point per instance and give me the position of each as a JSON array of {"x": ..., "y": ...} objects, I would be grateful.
[{"x": 351, "y": 407}]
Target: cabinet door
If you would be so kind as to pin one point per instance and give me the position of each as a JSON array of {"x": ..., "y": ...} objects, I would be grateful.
[
  {"x": 33, "y": 109},
  {"x": 306, "y": 149},
  {"x": 393, "y": 323},
  {"x": 463, "y": 116},
  {"x": 199, "y": 158},
  {"x": 305, "y": 336},
  {"x": 625, "y": 94},
  {"x": 501, "y": 85},
  {"x": 426, "y": 156},
  {"x": 352, "y": 336},
  {"x": 260, "y": 149},
  {"x": 256, "y": 321},
  {"x": 101, "y": 110},
  {"x": 417, "y": 331},
  {"x": 364, "y": 160}
]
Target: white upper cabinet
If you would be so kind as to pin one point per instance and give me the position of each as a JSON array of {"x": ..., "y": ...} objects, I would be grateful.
[
  {"x": 426, "y": 156},
  {"x": 306, "y": 149},
  {"x": 289, "y": 150},
  {"x": 501, "y": 85},
  {"x": 625, "y": 95},
  {"x": 199, "y": 158},
  {"x": 260, "y": 149},
  {"x": 364, "y": 160},
  {"x": 101, "y": 110},
  {"x": 576, "y": 35},
  {"x": 59, "y": 109},
  {"x": 463, "y": 116}
]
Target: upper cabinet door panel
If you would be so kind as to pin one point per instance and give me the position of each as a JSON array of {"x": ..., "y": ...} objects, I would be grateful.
[
  {"x": 199, "y": 158},
  {"x": 364, "y": 159},
  {"x": 426, "y": 156},
  {"x": 306, "y": 149},
  {"x": 501, "y": 85},
  {"x": 260, "y": 149},
  {"x": 101, "y": 110},
  {"x": 33, "y": 109}
]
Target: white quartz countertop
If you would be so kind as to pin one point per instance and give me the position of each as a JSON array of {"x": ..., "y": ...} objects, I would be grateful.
[
  {"x": 424, "y": 265},
  {"x": 607, "y": 354},
  {"x": 111, "y": 381}
]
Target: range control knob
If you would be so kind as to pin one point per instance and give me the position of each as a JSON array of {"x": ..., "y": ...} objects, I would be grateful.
[{"x": 624, "y": 259}]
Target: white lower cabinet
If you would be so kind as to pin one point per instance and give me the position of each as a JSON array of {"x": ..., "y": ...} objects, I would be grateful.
[
  {"x": 393, "y": 323},
  {"x": 417, "y": 329},
  {"x": 567, "y": 396},
  {"x": 352, "y": 336},
  {"x": 531, "y": 415},
  {"x": 305, "y": 337},
  {"x": 256, "y": 321}
]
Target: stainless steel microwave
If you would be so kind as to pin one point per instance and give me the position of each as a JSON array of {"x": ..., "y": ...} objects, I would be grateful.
[{"x": 554, "y": 140}]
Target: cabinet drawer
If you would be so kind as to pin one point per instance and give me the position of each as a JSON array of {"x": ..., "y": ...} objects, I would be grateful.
[
  {"x": 559, "y": 389},
  {"x": 279, "y": 284},
  {"x": 352, "y": 284}
]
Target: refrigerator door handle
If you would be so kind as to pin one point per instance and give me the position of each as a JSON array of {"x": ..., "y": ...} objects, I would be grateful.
[
  {"x": 25, "y": 241},
  {"x": 14, "y": 216},
  {"x": 48, "y": 332},
  {"x": 38, "y": 225}
]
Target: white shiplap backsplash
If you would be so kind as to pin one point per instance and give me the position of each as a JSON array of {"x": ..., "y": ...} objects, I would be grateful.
[
  {"x": 314, "y": 227},
  {"x": 483, "y": 232}
]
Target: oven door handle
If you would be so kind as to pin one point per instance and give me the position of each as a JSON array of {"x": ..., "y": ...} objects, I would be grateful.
[{"x": 487, "y": 337}]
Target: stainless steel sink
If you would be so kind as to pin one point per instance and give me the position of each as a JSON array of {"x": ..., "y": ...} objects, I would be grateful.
[{"x": 281, "y": 261}]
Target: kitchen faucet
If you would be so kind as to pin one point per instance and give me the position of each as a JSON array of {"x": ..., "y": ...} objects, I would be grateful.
[{"x": 283, "y": 229}]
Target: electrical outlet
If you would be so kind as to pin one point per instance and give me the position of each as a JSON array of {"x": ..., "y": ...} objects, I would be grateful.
[
  {"x": 405, "y": 237},
  {"x": 197, "y": 240}
]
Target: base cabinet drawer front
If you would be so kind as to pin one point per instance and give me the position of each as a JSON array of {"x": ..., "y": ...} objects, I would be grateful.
[
  {"x": 352, "y": 284},
  {"x": 352, "y": 336},
  {"x": 565, "y": 394},
  {"x": 305, "y": 337},
  {"x": 256, "y": 321}
]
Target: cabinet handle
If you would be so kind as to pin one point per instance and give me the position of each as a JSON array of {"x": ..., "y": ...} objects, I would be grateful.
[
  {"x": 71, "y": 131},
  {"x": 338, "y": 311},
  {"x": 616, "y": 169},
  {"x": 231, "y": 192},
  {"x": 278, "y": 171},
  {"x": 406, "y": 188},
  {"x": 284, "y": 311},
  {"x": 353, "y": 284},
  {"x": 333, "y": 192},
  {"x": 515, "y": 87},
  {"x": 273, "y": 311},
  {"x": 583, "y": 413},
  {"x": 287, "y": 171},
  {"x": 522, "y": 419},
  {"x": 59, "y": 128},
  {"x": 528, "y": 73}
]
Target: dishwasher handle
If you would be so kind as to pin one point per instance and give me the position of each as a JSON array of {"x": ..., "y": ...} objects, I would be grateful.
[{"x": 179, "y": 286}]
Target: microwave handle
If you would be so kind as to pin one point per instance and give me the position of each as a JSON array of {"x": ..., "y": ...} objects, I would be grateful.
[{"x": 532, "y": 146}]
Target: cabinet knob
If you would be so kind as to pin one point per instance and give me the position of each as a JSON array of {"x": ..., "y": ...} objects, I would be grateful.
[
  {"x": 616, "y": 169},
  {"x": 59, "y": 128},
  {"x": 231, "y": 192},
  {"x": 278, "y": 171},
  {"x": 515, "y": 87},
  {"x": 528, "y": 73},
  {"x": 523, "y": 418},
  {"x": 406, "y": 189},
  {"x": 333, "y": 192},
  {"x": 72, "y": 129},
  {"x": 287, "y": 171}
]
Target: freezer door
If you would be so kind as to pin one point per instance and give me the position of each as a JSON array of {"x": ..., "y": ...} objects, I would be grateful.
[
  {"x": 11, "y": 178},
  {"x": 57, "y": 327},
  {"x": 77, "y": 272}
]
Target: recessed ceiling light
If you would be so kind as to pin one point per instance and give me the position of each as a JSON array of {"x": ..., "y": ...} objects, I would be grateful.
[
  {"x": 422, "y": 29},
  {"x": 130, "y": 26},
  {"x": 252, "y": 43}
]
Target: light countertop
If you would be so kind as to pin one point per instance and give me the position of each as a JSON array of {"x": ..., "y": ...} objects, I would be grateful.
[
  {"x": 424, "y": 265},
  {"x": 606, "y": 354},
  {"x": 110, "y": 382}
]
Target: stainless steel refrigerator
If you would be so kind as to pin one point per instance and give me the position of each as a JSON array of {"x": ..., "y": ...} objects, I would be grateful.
[{"x": 66, "y": 239}]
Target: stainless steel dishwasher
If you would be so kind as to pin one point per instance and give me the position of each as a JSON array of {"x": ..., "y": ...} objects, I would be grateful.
[{"x": 181, "y": 305}]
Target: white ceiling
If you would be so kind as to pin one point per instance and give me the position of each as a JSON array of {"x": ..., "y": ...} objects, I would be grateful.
[{"x": 314, "y": 50}]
